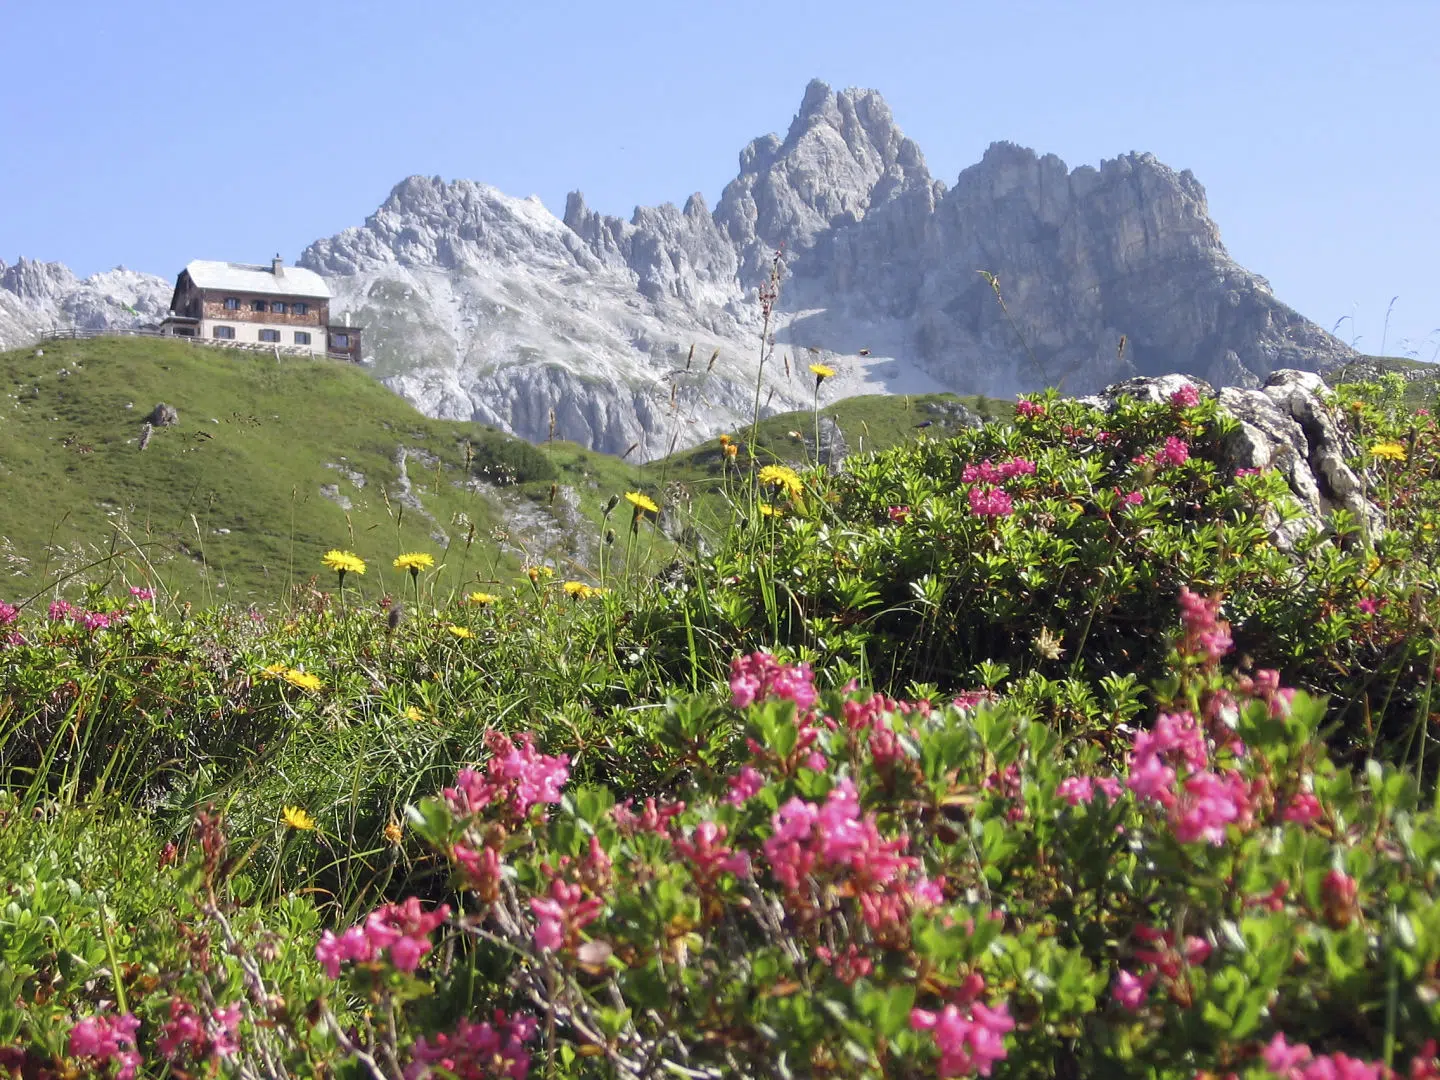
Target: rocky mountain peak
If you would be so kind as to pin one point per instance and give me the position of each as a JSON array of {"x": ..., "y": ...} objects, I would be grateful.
[
  {"x": 37, "y": 282},
  {"x": 840, "y": 151}
]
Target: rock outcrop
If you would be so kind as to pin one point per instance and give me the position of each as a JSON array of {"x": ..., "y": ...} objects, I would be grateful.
[{"x": 1288, "y": 425}]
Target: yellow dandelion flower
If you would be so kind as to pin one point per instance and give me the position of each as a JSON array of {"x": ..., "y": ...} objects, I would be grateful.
[
  {"x": 821, "y": 372},
  {"x": 414, "y": 561},
  {"x": 578, "y": 590},
  {"x": 459, "y": 631},
  {"x": 482, "y": 598},
  {"x": 766, "y": 510},
  {"x": 273, "y": 671},
  {"x": 782, "y": 476},
  {"x": 412, "y": 713},
  {"x": 302, "y": 679},
  {"x": 731, "y": 450},
  {"x": 296, "y": 818},
  {"x": 344, "y": 562},
  {"x": 725, "y": 440},
  {"x": 394, "y": 833},
  {"x": 641, "y": 502},
  {"x": 1390, "y": 451}
]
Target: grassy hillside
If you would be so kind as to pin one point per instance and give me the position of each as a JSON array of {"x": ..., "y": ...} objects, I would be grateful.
[
  {"x": 274, "y": 462},
  {"x": 231, "y": 503}
]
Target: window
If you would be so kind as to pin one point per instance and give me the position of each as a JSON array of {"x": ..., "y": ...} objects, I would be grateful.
[
  {"x": 257, "y": 305},
  {"x": 299, "y": 309},
  {"x": 278, "y": 307},
  {"x": 339, "y": 341},
  {"x": 227, "y": 333},
  {"x": 270, "y": 335},
  {"x": 302, "y": 338},
  {"x": 185, "y": 331},
  {"x": 232, "y": 303}
]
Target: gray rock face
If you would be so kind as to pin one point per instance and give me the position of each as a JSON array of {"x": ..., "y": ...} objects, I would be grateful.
[
  {"x": 480, "y": 305},
  {"x": 39, "y": 296},
  {"x": 1287, "y": 425}
]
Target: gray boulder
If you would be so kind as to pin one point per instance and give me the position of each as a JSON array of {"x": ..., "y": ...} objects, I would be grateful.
[{"x": 1288, "y": 425}]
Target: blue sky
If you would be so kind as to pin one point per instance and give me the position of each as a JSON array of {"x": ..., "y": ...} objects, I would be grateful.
[{"x": 147, "y": 134}]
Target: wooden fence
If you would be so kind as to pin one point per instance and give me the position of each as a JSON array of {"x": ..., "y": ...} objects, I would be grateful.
[{"x": 73, "y": 333}]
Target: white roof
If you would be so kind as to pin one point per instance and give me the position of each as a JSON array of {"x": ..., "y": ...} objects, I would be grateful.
[{"x": 244, "y": 278}]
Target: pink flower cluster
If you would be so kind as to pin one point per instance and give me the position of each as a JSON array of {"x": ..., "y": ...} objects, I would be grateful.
[
  {"x": 8, "y": 613},
  {"x": 990, "y": 502},
  {"x": 1206, "y": 635},
  {"x": 476, "y": 1051},
  {"x": 61, "y": 610},
  {"x": 709, "y": 856},
  {"x": 1175, "y": 452},
  {"x": 1029, "y": 409},
  {"x": 1186, "y": 397},
  {"x": 516, "y": 774},
  {"x": 187, "y": 1034},
  {"x": 1076, "y": 790},
  {"x": 141, "y": 594},
  {"x": 401, "y": 929},
  {"x": 835, "y": 837},
  {"x": 971, "y": 1038},
  {"x": 1206, "y": 802},
  {"x": 987, "y": 498},
  {"x": 760, "y": 676},
  {"x": 1298, "y": 1062},
  {"x": 986, "y": 473},
  {"x": 653, "y": 817},
  {"x": 562, "y": 915},
  {"x": 108, "y": 1038}
]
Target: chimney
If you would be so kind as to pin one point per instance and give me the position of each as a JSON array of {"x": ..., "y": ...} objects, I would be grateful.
[{"x": 277, "y": 266}]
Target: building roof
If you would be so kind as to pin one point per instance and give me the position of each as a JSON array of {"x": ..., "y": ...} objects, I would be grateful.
[{"x": 245, "y": 278}]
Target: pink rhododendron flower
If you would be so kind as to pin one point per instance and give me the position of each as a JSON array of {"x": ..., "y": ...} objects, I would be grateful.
[
  {"x": 563, "y": 914},
  {"x": 8, "y": 613},
  {"x": 1175, "y": 452},
  {"x": 475, "y": 1051},
  {"x": 1029, "y": 409},
  {"x": 990, "y": 502},
  {"x": 899, "y": 514},
  {"x": 760, "y": 676},
  {"x": 1076, "y": 790},
  {"x": 970, "y": 1041},
  {"x": 1206, "y": 636},
  {"x": 186, "y": 1032},
  {"x": 709, "y": 856},
  {"x": 1186, "y": 397},
  {"x": 1130, "y": 990},
  {"x": 141, "y": 594},
  {"x": 1303, "y": 809},
  {"x": 652, "y": 818},
  {"x": 516, "y": 774},
  {"x": 109, "y": 1038},
  {"x": 1205, "y": 805},
  {"x": 1368, "y": 605},
  {"x": 743, "y": 785},
  {"x": 1338, "y": 892},
  {"x": 1247, "y": 472}
]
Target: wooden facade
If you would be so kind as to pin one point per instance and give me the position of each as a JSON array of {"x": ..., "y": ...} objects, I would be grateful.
[{"x": 235, "y": 303}]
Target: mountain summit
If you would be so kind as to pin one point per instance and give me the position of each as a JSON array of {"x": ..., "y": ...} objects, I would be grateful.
[
  {"x": 640, "y": 335},
  {"x": 481, "y": 305}
]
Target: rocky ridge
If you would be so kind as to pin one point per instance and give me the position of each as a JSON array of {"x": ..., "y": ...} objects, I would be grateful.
[
  {"x": 481, "y": 305},
  {"x": 644, "y": 334},
  {"x": 40, "y": 296}
]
